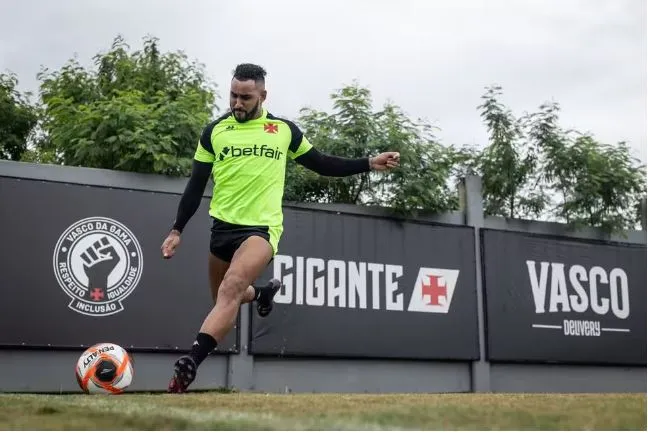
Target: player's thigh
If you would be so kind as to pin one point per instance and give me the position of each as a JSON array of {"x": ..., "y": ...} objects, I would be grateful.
[
  {"x": 249, "y": 261},
  {"x": 217, "y": 270}
]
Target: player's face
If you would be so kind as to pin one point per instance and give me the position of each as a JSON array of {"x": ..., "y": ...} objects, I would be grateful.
[{"x": 245, "y": 99}]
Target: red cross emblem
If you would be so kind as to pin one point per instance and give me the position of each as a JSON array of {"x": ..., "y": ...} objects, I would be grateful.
[
  {"x": 271, "y": 128},
  {"x": 434, "y": 290},
  {"x": 96, "y": 294}
]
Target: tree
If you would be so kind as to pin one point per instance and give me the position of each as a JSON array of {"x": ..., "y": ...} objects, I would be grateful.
[
  {"x": 430, "y": 170},
  {"x": 140, "y": 111},
  {"x": 609, "y": 186},
  {"x": 600, "y": 185},
  {"x": 354, "y": 129},
  {"x": 17, "y": 118},
  {"x": 350, "y": 131},
  {"x": 533, "y": 168},
  {"x": 507, "y": 165}
]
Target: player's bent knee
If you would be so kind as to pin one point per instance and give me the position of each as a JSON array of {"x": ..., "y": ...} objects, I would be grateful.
[{"x": 232, "y": 288}]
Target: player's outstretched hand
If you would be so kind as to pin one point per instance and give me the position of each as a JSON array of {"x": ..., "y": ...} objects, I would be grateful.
[
  {"x": 385, "y": 161},
  {"x": 170, "y": 244}
]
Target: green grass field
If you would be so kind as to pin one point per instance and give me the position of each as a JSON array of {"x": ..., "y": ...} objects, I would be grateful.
[{"x": 256, "y": 411}]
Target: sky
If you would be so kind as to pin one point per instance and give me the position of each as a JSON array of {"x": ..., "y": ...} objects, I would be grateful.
[{"x": 433, "y": 58}]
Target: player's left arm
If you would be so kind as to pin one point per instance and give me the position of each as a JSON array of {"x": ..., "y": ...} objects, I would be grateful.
[
  {"x": 331, "y": 165},
  {"x": 303, "y": 152}
]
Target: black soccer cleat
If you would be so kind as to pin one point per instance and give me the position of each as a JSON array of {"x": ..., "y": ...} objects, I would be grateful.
[
  {"x": 184, "y": 372},
  {"x": 265, "y": 300}
]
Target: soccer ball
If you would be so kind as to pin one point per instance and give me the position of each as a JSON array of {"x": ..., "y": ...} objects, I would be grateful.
[{"x": 104, "y": 368}]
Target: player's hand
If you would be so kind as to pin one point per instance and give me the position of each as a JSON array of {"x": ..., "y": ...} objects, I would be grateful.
[
  {"x": 385, "y": 161},
  {"x": 170, "y": 244}
]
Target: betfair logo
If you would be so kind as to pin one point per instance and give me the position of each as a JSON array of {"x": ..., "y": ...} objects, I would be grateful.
[
  {"x": 223, "y": 153},
  {"x": 258, "y": 151}
]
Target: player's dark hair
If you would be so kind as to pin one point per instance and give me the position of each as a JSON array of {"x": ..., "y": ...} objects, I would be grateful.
[{"x": 249, "y": 71}]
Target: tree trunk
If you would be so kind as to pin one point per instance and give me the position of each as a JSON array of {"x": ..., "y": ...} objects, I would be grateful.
[{"x": 357, "y": 194}]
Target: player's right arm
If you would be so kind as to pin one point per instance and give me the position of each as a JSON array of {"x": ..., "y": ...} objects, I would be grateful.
[
  {"x": 202, "y": 167},
  {"x": 190, "y": 201}
]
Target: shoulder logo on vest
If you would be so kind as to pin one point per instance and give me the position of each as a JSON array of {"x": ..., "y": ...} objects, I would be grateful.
[
  {"x": 433, "y": 290},
  {"x": 271, "y": 128},
  {"x": 97, "y": 263}
]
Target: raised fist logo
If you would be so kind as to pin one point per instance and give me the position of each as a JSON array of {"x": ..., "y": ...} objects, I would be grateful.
[
  {"x": 98, "y": 264},
  {"x": 99, "y": 260}
]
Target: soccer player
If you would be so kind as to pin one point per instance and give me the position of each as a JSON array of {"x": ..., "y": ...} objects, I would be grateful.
[{"x": 246, "y": 152}]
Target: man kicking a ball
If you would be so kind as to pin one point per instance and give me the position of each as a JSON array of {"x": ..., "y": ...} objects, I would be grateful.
[{"x": 246, "y": 151}]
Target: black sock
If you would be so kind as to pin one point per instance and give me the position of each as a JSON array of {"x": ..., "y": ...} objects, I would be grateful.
[{"x": 203, "y": 345}]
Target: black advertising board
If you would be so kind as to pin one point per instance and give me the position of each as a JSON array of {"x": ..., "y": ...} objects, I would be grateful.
[
  {"x": 359, "y": 286},
  {"x": 82, "y": 265},
  {"x": 558, "y": 300}
]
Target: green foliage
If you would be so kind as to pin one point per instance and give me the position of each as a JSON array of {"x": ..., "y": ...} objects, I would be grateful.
[
  {"x": 428, "y": 174},
  {"x": 350, "y": 131},
  {"x": 355, "y": 130},
  {"x": 143, "y": 111},
  {"x": 599, "y": 185},
  {"x": 17, "y": 118},
  {"x": 507, "y": 164},
  {"x": 532, "y": 168},
  {"x": 140, "y": 111}
]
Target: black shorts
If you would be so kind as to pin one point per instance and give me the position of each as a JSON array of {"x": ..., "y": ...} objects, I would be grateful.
[{"x": 226, "y": 238}]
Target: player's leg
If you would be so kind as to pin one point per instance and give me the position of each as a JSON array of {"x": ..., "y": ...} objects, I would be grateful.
[
  {"x": 248, "y": 263},
  {"x": 225, "y": 240},
  {"x": 263, "y": 294},
  {"x": 217, "y": 269}
]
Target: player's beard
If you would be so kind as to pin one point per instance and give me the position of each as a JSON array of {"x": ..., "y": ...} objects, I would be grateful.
[{"x": 247, "y": 115}]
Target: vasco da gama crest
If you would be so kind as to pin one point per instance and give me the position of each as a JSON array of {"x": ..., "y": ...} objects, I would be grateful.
[{"x": 98, "y": 263}]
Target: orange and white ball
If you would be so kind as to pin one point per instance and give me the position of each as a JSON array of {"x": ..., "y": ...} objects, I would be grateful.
[{"x": 104, "y": 368}]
